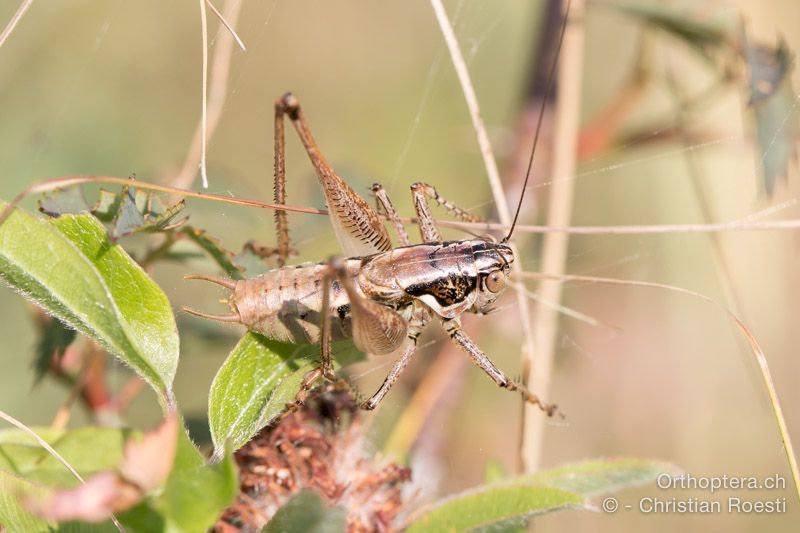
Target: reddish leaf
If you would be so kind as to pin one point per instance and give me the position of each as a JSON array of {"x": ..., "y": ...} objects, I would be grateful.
[
  {"x": 146, "y": 464},
  {"x": 148, "y": 461}
]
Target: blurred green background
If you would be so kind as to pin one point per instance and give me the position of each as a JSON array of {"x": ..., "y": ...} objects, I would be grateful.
[{"x": 113, "y": 88}]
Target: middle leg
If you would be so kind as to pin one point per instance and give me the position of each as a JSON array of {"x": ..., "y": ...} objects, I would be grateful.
[{"x": 419, "y": 319}]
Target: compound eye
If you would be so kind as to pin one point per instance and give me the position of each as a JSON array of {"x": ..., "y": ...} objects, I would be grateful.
[{"x": 495, "y": 281}]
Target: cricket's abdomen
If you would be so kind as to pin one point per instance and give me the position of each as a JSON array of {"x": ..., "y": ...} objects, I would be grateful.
[{"x": 285, "y": 304}]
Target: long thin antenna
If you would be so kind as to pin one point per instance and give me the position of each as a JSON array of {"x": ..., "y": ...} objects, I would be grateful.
[{"x": 550, "y": 79}]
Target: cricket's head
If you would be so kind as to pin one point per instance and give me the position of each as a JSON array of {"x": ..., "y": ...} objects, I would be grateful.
[{"x": 493, "y": 264}]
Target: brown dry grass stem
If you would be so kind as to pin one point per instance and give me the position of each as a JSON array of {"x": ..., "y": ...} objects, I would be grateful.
[
  {"x": 554, "y": 247},
  {"x": 204, "y": 95},
  {"x": 213, "y": 95},
  {"x": 492, "y": 172},
  {"x": 746, "y": 224},
  {"x": 23, "y": 7}
]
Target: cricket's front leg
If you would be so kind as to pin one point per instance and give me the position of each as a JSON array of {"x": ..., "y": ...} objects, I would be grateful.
[
  {"x": 482, "y": 360},
  {"x": 383, "y": 201}
]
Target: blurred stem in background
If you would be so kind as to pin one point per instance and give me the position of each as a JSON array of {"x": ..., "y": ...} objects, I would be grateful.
[{"x": 554, "y": 246}]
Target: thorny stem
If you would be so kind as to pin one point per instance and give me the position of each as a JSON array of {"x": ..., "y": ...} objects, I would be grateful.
[
  {"x": 554, "y": 248},
  {"x": 489, "y": 162}
]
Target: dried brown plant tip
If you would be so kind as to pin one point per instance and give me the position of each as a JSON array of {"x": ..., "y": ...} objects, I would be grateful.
[{"x": 319, "y": 447}]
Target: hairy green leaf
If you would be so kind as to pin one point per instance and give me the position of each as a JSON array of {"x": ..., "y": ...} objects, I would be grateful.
[
  {"x": 13, "y": 515},
  {"x": 29, "y": 471},
  {"x": 494, "y": 505},
  {"x": 256, "y": 381},
  {"x": 602, "y": 476},
  {"x": 511, "y": 502},
  {"x": 88, "y": 450},
  {"x": 196, "y": 492},
  {"x": 69, "y": 268}
]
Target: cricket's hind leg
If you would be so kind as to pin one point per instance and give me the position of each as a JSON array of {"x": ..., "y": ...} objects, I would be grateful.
[
  {"x": 279, "y": 186},
  {"x": 359, "y": 229}
]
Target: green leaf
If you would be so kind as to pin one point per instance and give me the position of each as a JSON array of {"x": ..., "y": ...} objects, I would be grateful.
[
  {"x": 308, "y": 513},
  {"x": 511, "y": 502},
  {"x": 498, "y": 505},
  {"x": 54, "y": 339},
  {"x": 13, "y": 516},
  {"x": 88, "y": 450},
  {"x": 19, "y": 452},
  {"x": 107, "y": 205},
  {"x": 774, "y": 105},
  {"x": 196, "y": 493},
  {"x": 29, "y": 471},
  {"x": 602, "y": 476},
  {"x": 128, "y": 218},
  {"x": 494, "y": 471},
  {"x": 704, "y": 25},
  {"x": 212, "y": 246},
  {"x": 60, "y": 201},
  {"x": 68, "y": 267},
  {"x": 142, "y": 518},
  {"x": 256, "y": 381}
]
